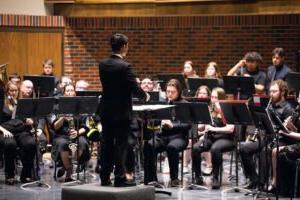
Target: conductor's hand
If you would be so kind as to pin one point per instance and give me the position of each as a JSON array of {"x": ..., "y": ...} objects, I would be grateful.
[
  {"x": 166, "y": 123},
  {"x": 73, "y": 133},
  {"x": 7, "y": 134},
  {"x": 147, "y": 96}
]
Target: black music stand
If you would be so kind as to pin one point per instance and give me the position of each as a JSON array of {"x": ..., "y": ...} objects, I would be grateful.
[
  {"x": 195, "y": 83},
  {"x": 241, "y": 86},
  {"x": 43, "y": 85},
  {"x": 237, "y": 113},
  {"x": 293, "y": 81},
  {"x": 164, "y": 78},
  {"x": 262, "y": 121},
  {"x": 197, "y": 113},
  {"x": 89, "y": 93},
  {"x": 34, "y": 108},
  {"x": 77, "y": 107},
  {"x": 154, "y": 112}
]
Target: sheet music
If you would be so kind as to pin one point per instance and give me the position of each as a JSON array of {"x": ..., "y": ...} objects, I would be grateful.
[{"x": 150, "y": 107}]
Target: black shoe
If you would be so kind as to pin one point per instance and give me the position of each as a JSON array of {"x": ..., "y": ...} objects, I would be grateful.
[
  {"x": 10, "y": 181},
  {"x": 106, "y": 183},
  {"x": 199, "y": 180},
  {"x": 26, "y": 180},
  {"x": 124, "y": 184},
  {"x": 215, "y": 183},
  {"x": 250, "y": 185},
  {"x": 60, "y": 172},
  {"x": 272, "y": 189},
  {"x": 69, "y": 180},
  {"x": 175, "y": 183}
]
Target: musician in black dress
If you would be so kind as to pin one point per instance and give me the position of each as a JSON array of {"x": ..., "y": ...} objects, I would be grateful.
[
  {"x": 218, "y": 139},
  {"x": 65, "y": 139},
  {"x": 173, "y": 138}
]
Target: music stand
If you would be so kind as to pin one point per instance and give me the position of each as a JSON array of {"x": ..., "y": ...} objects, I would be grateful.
[
  {"x": 197, "y": 113},
  {"x": 164, "y": 78},
  {"x": 195, "y": 83},
  {"x": 89, "y": 93},
  {"x": 293, "y": 82},
  {"x": 261, "y": 121},
  {"x": 77, "y": 107},
  {"x": 237, "y": 113},
  {"x": 241, "y": 86},
  {"x": 43, "y": 85},
  {"x": 154, "y": 112},
  {"x": 34, "y": 108}
]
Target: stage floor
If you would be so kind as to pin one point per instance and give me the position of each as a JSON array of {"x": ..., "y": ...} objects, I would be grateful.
[{"x": 54, "y": 193}]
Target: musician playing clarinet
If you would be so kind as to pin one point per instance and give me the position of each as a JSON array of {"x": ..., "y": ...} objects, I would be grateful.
[
  {"x": 218, "y": 139},
  {"x": 65, "y": 140}
]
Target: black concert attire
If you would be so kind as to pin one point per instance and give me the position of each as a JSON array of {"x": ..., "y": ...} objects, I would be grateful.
[
  {"x": 173, "y": 141},
  {"x": 275, "y": 73},
  {"x": 248, "y": 149},
  {"x": 118, "y": 83},
  {"x": 61, "y": 140},
  {"x": 217, "y": 144},
  {"x": 286, "y": 161},
  {"x": 24, "y": 139},
  {"x": 258, "y": 75},
  {"x": 133, "y": 138}
]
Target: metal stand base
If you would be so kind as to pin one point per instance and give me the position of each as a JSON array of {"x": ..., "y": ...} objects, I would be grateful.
[
  {"x": 195, "y": 187},
  {"x": 235, "y": 189},
  {"x": 39, "y": 184}
]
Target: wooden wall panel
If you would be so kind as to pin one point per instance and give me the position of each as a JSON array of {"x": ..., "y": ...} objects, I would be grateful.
[{"x": 25, "y": 51}]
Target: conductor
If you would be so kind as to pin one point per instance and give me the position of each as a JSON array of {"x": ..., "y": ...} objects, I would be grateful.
[{"x": 118, "y": 84}]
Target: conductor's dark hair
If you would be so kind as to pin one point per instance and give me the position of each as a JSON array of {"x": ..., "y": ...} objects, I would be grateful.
[
  {"x": 117, "y": 41},
  {"x": 278, "y": 51}
]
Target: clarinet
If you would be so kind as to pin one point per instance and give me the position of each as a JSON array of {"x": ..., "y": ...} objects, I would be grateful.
[{"x": 73, "y": 144}]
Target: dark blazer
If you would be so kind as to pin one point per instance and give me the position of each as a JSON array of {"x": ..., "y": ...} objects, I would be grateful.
[{"x": 118, "y": 84}]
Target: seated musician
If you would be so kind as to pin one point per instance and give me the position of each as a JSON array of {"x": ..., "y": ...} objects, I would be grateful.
[
  {"x": 188, "y": 70},
  {"x": 147, "y": 84},
  {"x": 15, "y": 78},
  {"x": 249, "y": 66},
  {"x": 172, "y": 138},
  {"x": 48, "y": 68},
  {"x": 218, "y": 139},
  {"x": 288, "y": 154},
  {"x": 67, "y": 135},
  {"x": 64, "y": 80},
  {"x": 278, "y": 93},
  {"x": 21, "y": 134},
  {"x": 212, "y": 71}
]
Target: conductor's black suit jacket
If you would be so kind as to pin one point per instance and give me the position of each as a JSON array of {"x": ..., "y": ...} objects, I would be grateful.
[{"x": 118, "y": 84}]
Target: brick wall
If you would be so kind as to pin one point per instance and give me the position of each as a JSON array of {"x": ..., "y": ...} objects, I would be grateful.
[{"x": 161, "y": 44}]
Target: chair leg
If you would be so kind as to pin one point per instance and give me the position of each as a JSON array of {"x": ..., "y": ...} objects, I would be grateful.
[
  {"x": 296, "y": 178},
  {"x": 55, "y": 170},
  {"x": 182, "y": 159}
]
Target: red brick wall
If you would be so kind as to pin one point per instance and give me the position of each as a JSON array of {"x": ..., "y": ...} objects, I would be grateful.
[{"x": 161, "y": 44}]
